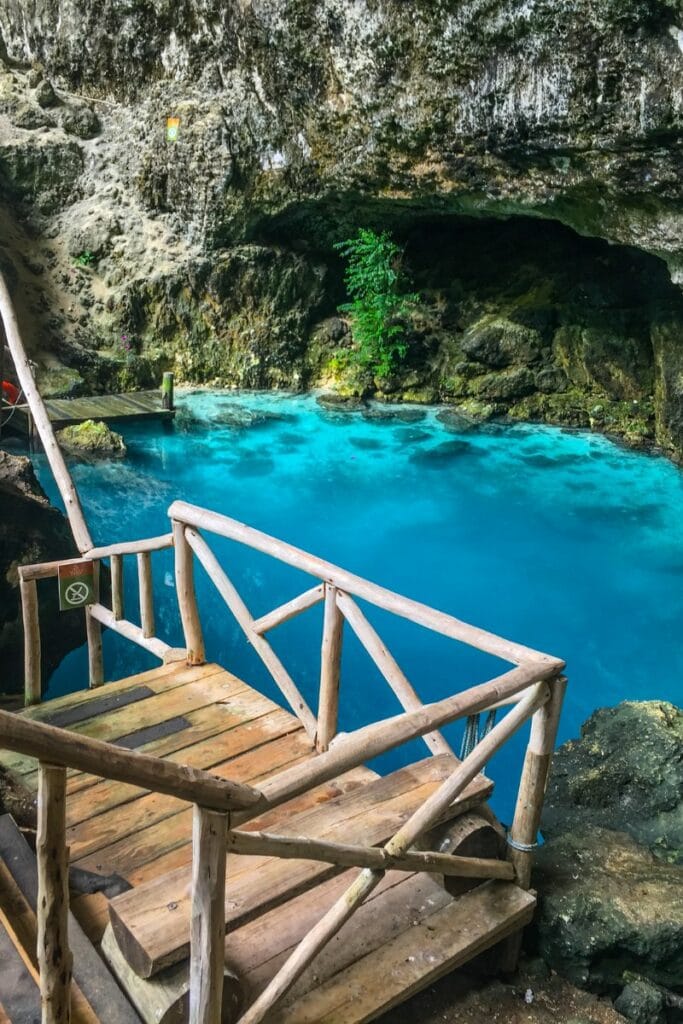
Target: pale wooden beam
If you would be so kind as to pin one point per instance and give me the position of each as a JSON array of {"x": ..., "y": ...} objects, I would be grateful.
[
  {"x": 187, "y": 600},
  {"x": 288, "y": 611},
  {"x": 54, "y": 955},
  {"x": 207, "y": 942},
  {"x": 330, "y": 670},
  {"x": 146, "y": 590},
  {"x": 232, "y": 598},
  {"x": 116, "y": 563},
  {"x": 388, "y": 666},
  {"x": 29, "y": 611}
]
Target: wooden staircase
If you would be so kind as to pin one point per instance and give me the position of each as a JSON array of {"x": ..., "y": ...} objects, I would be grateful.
[{"x": 95, "y": 996}]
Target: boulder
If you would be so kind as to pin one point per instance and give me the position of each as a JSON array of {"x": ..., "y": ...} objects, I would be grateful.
[
  {"x": 31, "y": 531},
  {"x": 92, "y": 439},
  {"x": 624, "y": 773}
]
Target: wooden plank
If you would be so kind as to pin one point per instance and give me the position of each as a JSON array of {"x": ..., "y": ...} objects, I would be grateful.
[
  {"x": 92, "y": 910},
  {"x": 94, "y": 833},
  {"x": 151, "y": 936},
  {"x": 64, "y": 748},
  {"x": 92, "y": 978},
  {"x": 101, "y": 704},
  {"x": 244, "y": 736},
  {"x": 165, "y": 846},
  {"x": 416, "y": 958},
  {"x": 256, "y": 951},
  {"x": 18, "y": 991}
]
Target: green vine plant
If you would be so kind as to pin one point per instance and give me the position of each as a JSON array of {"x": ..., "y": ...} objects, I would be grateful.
[
  {"x": 84, "y": 259},
  {"x": 374, "y": 279}
]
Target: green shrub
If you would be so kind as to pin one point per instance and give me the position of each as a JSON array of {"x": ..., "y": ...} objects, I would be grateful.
[{"x": 378, "y": 308}]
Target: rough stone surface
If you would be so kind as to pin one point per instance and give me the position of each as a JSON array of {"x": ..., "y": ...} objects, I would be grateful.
[
  {"x": 91, "y": 439},
  {"x": 610, "y": 872},
  {"x": 608, "y": 906},
  {"x": 30, "y": 531},
  {"x": 447, "y": 122},
  {"x": 624, "y": 773}
]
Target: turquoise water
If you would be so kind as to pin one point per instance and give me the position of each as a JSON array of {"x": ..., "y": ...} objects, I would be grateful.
[{"x": 562, "y": 541}]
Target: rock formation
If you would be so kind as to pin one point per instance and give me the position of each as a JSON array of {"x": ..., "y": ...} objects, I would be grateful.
[
  {"x": 527, "y": 153},
  {"x": 30, "y": 531}
]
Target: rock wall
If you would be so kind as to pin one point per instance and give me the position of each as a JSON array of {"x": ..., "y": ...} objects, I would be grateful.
[
  {"x": 30, "y": 531},
  {"x": 298, "y": 122}
]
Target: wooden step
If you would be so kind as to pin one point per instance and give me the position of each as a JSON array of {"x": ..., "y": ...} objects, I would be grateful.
[
  {"x": 443, "y": 939},
  {"x": 151, "y": 923},
  {"x": 95, "y": 994}
]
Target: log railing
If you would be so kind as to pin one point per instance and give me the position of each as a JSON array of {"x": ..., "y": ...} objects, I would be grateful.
[
  {"x": 96, "y": 615},
  {"x": 530, "y": 690},
  {"x": 337, "y": 589}
]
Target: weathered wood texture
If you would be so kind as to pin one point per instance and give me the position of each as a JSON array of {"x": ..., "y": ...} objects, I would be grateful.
[
  {"x": 416, "y": 958},
  {"x": 116, "y": 566},
  {"x": 209, "y": 833},
  {"x": 63, "y": 747},
  {"x": 226, "y": 589},
  {"x": 151, "y": 937},
  {"x": 32, "y": 670},
  {"x": 146, "y": 591},
  {"x": 54, "y": 955},
  {"x": 187, "y": 599},
  {"x": 437, "y": 621},
  {"x": 42, "y": 422},
  {"x": 330, "y": 670}
]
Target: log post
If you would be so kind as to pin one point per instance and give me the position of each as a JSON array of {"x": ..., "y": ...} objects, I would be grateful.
[
  {"x": 116, "y": 563},
  {"x": 523, "y": 835},
  {"x": 54, "y": 955},
  {"x": 93, "y": 631},
  {"x": 167, "y": 391},
  {"x": 330, "y": 668},
  {"x": 207, "y": 942},
  {"x": 146, "y": 593},
  {"x": 29, "y": 611},
  {"x": 187, "y": 600}
]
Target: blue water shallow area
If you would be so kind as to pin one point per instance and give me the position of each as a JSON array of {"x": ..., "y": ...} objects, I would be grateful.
[{"x": 559, "y": 540}]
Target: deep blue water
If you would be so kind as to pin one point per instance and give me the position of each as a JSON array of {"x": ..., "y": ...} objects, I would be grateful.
[{"x": 562, "y": 541}]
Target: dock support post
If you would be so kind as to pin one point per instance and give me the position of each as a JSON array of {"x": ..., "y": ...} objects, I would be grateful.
[
  {"x": 187, "y": 600},
  {"x": 523, "y": 834},
  {"x": 167, "y": 391},
  {"x": 207, "y": 940},
  {"x": 54, "y": 955},
  {"x": 330, "y": 669},
  {"x": 29, "y": 611}
]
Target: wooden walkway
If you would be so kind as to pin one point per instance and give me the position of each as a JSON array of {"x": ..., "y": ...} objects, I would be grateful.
[
  {"x": 409, "y": 933},
  {"x": 65, "y": 412}
]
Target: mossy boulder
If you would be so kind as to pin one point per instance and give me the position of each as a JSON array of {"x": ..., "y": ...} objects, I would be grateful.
[{"x": 92, "y": 438}]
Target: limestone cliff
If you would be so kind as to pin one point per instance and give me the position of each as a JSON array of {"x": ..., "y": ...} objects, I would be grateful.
[{"x": 298, "y": 122}]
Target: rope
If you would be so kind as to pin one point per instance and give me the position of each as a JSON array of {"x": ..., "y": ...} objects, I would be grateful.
[
  {"x": 522, "y": 847},
  {"x": 473, "y": 734},
  {"x": 14, "y": 409}
]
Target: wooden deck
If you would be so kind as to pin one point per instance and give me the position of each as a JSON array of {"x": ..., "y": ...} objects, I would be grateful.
[
  {"x": 410, "y": 932},
  {"x": 65, "y": 412}
]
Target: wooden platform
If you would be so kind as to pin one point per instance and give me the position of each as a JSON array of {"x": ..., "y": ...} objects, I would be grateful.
[
  {"x": 65, "y": 412},
  {"x": 410, "y": 932}
]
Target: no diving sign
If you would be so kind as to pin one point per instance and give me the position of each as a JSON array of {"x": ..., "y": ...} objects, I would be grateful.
[{"x": 76, "y": 585}]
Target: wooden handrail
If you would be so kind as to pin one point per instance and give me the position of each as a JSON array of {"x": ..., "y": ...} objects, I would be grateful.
[
  {"x": 41, "y": 419},
  {"x": 46, "y": 570},
  {"x": 48, "y": 743},
  {"x": 422, "y": 614},
  {"x": 372, "y": 740}
]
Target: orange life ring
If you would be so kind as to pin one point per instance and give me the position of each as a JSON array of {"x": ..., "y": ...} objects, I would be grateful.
[{"x": 10, "y": 393}]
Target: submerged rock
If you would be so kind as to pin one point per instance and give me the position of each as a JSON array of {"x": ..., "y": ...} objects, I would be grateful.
[{"x": 92, "y": 438}]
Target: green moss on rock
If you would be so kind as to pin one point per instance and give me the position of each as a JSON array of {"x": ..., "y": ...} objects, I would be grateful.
[{"x": 92, "y": 438}]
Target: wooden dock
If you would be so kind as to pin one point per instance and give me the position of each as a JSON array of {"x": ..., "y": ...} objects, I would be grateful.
[
  {"x": 207, "y": 718},
  {"x": 244, "y": 864},
  {"x": 66, "y": 412}
]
